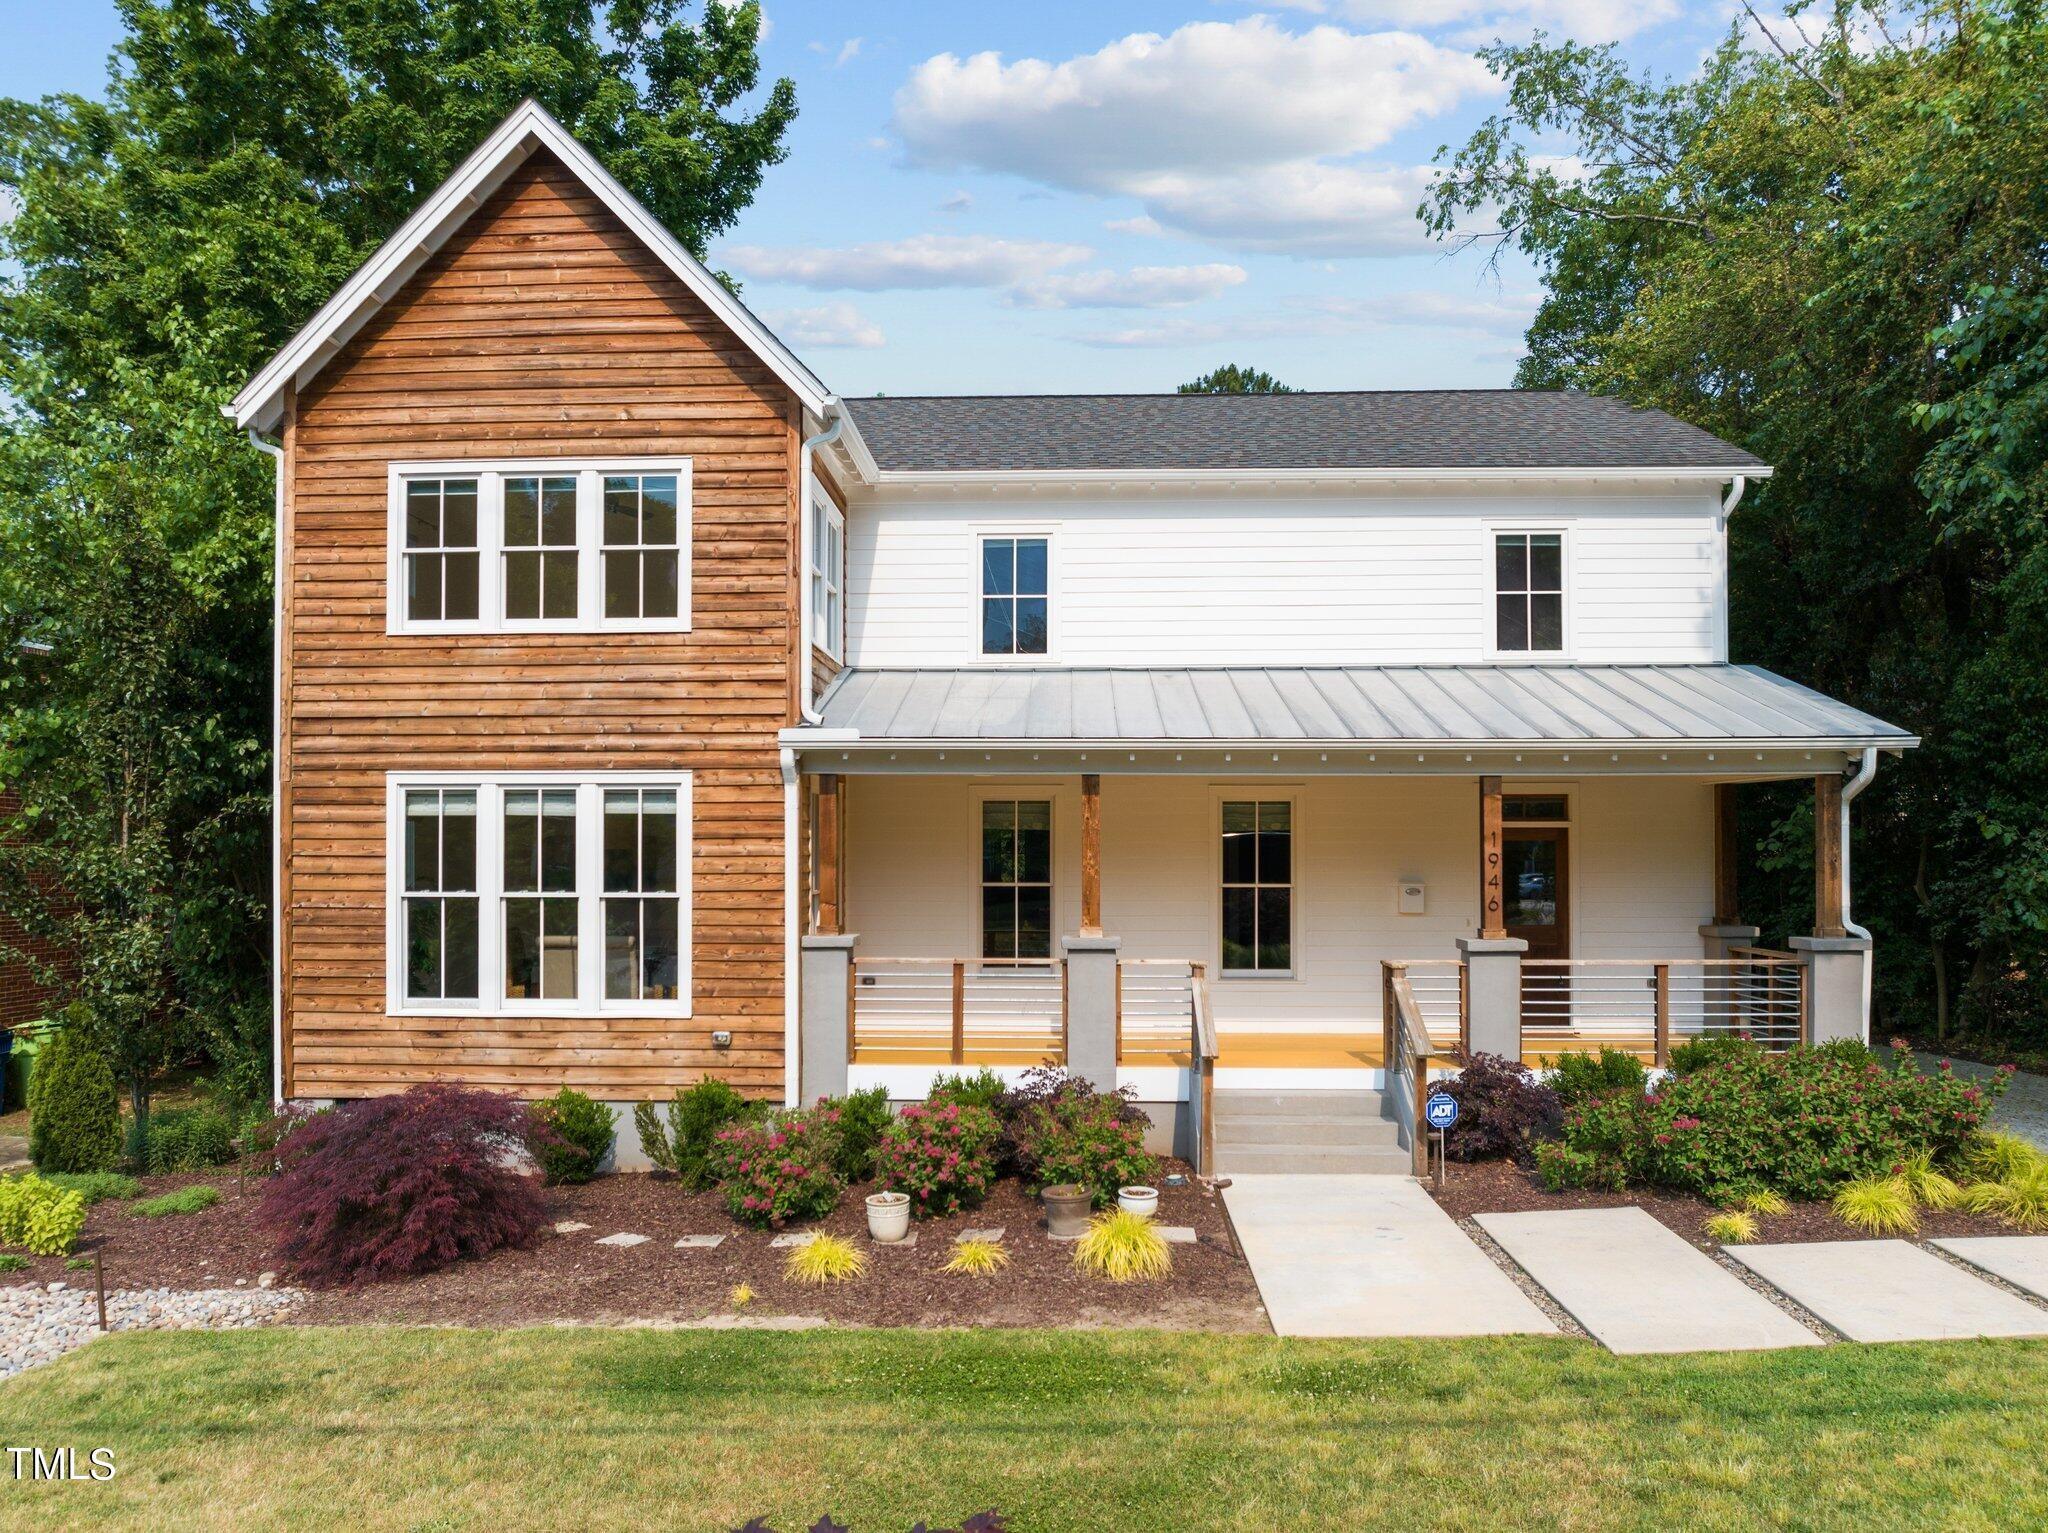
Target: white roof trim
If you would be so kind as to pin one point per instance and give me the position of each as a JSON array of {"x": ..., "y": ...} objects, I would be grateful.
[
  {"x": 1083, "y": 476},
  {"x": 378, "y": 280}
]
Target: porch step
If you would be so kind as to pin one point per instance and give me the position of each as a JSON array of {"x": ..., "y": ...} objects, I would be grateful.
[{"x": 1332, "y": 1132}]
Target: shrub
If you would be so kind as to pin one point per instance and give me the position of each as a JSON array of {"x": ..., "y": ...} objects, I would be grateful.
[
  {"x": 1881, "y": 1205},
  {"x": 1576, "y": 1077},
  {"x": 984, "y": 1088},
  {"x": 2020, "y": 1199},
  {"x": 1078, "y": 1135},
  {"x": 942, "y": 1154},
  {"x": 861, "y": 1117},
  {"x": 828, "y": 1259},
  {"x": 977, "y": 1258},
  {"x": 1122, "y": 1247},
  {"x": 1713, "y": 1049},
  {"x": 74, "y": 1113},
  {"x": 778, "y": 1169},
  {"x": 575, "y": 1135},
  {"x": 188, "y": 1139},
  {"x": 687, "y": 1143},
  {"x": 9, "y": 1262},
  {"x": 186, "y": 1200},
  {"x": 1502, "y": 1109},
  {"x": 1732, "y": 1228},
  {"x": 96, "y": 1186},
  {"x": 41, "y": 1218},
  {"x": 1560, "y": 1167},
  {"x": 395, "y": 1185}
]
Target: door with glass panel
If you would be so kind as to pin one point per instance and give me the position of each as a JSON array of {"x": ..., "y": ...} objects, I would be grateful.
[{"x": 1536, "y": 898}]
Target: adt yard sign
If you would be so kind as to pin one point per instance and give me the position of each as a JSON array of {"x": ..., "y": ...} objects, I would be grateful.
[{"x": 1441, "y": 1111}]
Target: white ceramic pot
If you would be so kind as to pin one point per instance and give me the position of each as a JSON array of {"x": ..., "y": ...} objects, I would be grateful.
[
  {"x": 1138, "y": 1200},
  {"x": 888, "y": 1216}
]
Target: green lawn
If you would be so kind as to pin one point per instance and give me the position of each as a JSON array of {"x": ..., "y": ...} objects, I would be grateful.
[{"x": 639, "y": 1430}]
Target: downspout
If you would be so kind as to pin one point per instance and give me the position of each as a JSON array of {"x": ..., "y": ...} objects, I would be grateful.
[
  {"x": 807, "y": 479},
  {"x": 276, "y": 453},
  {"x": 1733, "y": 499},
  {"x": 792, "y": 970},
  {"x": 1850, "y": 789}
]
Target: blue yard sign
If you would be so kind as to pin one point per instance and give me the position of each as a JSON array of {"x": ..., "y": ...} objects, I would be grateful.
[{"x": 1440, "y": 1111}]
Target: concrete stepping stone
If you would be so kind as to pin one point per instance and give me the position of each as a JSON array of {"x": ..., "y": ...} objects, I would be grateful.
[
  {"x": 570, "y": 1227},
  {"x": 1891, "y": 1290},
  {"x": 993, "y": 1235},
  {"x": 2022, "y": 1260},
  {"x": 1638, "y": 1287},
  {"x": 784, "y": 1242},
  {"x": 623, "y": 1238},
  {"x": 1177, "y": 1234},
  {"x": 1359, "y": 1255},
  {"x": 700, "y": 1242}
]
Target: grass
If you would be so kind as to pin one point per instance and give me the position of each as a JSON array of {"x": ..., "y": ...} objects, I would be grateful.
[
  {"x": 1736, "y": 1227},
  {"x": 186, "y": 1200},
  {"x": 1763, "y": 1202},
  {"x": 13, "y": 1261},
  {"x": 1930, "y": 1188},
  {"x": 1877, "y": 1205},
  {"x": 2000, "y": 1154},
  {"x": 976, "y": 1258},
  {"x": 438, "y": 1429},
  {"x": 2021, "y": 1200},
  {"x": 1123, "y": 1247},
  {"x": 827, "y": 1259}
]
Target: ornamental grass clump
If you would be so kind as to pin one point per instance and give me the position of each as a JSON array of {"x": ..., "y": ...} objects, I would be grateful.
[
  {"x": 1123, "y": 1247},
  {"x": 1763, "y": 1202},
  {"x": 942, "y": 1154},
  {"x": 392, "y": 1186},
  {"x": 827, "y": 1259},
  {"x": 1999, "y": 1154},
  {"x": 779, "y": 1169},
  {"x": 2020, "y": 1199},
  {"x": 977, "y": 1258},
  {"x": 1734, "y": 1227},
  {"x": 1930, "y": 1188},
  {"x": 1878, "y": 1205}
]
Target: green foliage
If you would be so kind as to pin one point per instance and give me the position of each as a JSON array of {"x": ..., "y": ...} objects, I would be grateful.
[
  {"x": 1712, "y": 1049},
  {"x": 1084, "y": 1137},
  {"x": 861, "y": 1117},
  {"x": 188, "y": 1139},
  {"x": 825, "y": 1259},
  {"x": 1930, "y": 1188},
  {"x": 1232, "y": 379},
  {"x": 1825, "y": 246},
  {"x": 577, "y": 1137},
  {"x": 1734, "y": 1227},
  {"x": 778, "y": 1169},
  {"x": 1877, "y": 1205},
  {"x": 976, "y": 1258},
  {"x": 1575, "y": 1077},
  {"x": 2020, "y": 1198},
  {"x": 943, "y": 1154},
  {"x": 11, "y": 1262},
  {"x": 1764, "y": 1202},
  {"x": 95, "y": 1186},
  {"x": 684, "y": 1144},
  {"x": 1560, "y": 1167},
  {"x": 1996, "y": 1155},
  {"x": 984, "y": 1088},
  {"x": 186, "y": 1200},
  {"x": 74, "y": 1115},
  {"x": 41, "y": 1218},
  {"x": 1123, "y": 1247}
]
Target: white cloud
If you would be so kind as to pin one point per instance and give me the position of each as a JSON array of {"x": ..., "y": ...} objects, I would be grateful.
[
  {"x": 1144, "y": 224},
  {"x": 1586, "y": 21},
  {"x": 829, "y": 324},
  {"x": 959, "y": 202},
  {"x": 1240, "y": 131},
  {"x": 846, "y": 53},
  {"x": 922, "y": 261},
  {"x": 1142, "y": 287},
  {"x": 1500, "y": 316}
]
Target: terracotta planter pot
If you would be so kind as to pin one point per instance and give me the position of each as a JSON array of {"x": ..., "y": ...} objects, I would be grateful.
[
  {"x": 888, "y": 1217},
  {"x": 1138, "y": 1200},
  {"x": 1067, "y": 1210}
]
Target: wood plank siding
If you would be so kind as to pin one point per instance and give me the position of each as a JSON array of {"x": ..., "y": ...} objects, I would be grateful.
[{"x": 543, "y": 328}]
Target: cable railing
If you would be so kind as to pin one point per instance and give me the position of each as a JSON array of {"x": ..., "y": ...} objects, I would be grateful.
[
  {"x": 989, "y": 1011},
  {"x": 1646, "y": 1005}
]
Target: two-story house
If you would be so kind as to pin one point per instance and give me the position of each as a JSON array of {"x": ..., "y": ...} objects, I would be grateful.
[{"x": 647, "y": 710}]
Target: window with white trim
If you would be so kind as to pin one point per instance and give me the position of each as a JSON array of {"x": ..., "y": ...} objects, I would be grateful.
[
  {"x": 828, "y": 567},
  {"x": 540, "y": 894},
  {"x": 543, "y": 546},
  {"x": 1258, "y": 886},
  {"x": 1016, "y": 595},
  {"x": 1528, "y": 593}
]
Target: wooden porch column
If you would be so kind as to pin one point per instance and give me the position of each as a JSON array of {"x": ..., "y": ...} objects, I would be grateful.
[
  {"x": 1726, "y": 902},
  {"x": 831, "y": 853},
  {"x": 1492, "y": 911},
  {"x": 1827, "y": 856},
  {"x": 1091, "y": 854}
]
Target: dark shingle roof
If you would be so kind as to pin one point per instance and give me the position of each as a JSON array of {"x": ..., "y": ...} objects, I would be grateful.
[{"x": 1418, "y": 429}]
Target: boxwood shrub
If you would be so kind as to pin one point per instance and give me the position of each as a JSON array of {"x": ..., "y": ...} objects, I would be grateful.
[{"x": 575, "y": 1135}]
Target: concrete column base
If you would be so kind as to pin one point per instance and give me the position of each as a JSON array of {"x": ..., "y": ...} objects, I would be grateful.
[
  {"x": 1091, "y": 1008},
  {"x": 1493, "y": 993},
  {"x": 1718, "y": 940},
  {"x": 1834, "y": 987},
  {"x": 822, "y": 1032}
]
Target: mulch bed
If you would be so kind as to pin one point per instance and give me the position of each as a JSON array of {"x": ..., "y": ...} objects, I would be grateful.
[
  {"x": 570, "y": 1278},
  {"x": 1502, "y": 1187}
]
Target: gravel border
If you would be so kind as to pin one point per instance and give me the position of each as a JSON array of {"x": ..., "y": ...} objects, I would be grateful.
[
  {"x": 40, "y": 1325},
  {"x": 1982, "y": 1274},
  {"x": 1536, "y": 1293},
  {"x": 1778, "y": 1296}
]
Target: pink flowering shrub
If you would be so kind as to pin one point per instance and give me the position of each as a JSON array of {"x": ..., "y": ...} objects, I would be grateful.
[
  {"x": 943, "y": 1154},
  {"x": 779, "y": 1168}
]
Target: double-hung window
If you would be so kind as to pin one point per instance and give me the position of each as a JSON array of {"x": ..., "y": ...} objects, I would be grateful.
[
  {"x": 1016, "y": 878},
  {"x": 540, "y": 893},
  {"x": 543, "y": 546},
  {"x": 828, "y": 567},
  {"x": 1016, "y": 595},
  {"x": 1258, "y": 886},
  {"x": 1528, "y": 593}
]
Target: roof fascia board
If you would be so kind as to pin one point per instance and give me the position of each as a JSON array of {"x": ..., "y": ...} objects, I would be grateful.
[
  {"x": 379, "y": 278},
  {"x": 1022, "y": 478},
  {"x": 845, "y": 740}
]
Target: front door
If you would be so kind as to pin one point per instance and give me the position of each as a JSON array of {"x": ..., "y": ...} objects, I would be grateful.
[{"x": 1536, "y": 901}]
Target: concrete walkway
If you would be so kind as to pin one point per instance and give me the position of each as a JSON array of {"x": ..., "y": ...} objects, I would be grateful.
[
  {"x": 1370, "y": 1256},
  {"x": 2021, "y": 1260},
  {"x": 1890, "y": 1290},
  {"x": 1640, "y": 1288},
  {"x": 2023, "y": 1108},
  {"x": 13, "y": 1153}
]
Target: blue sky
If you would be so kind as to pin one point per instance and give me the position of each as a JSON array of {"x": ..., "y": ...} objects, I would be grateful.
[{"x": 1113, "y": 196}]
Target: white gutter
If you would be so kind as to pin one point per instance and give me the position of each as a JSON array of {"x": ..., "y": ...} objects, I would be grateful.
[
  {"x": 277, "y": 914},
  {"x": 807, "y": 480},
  {"x": 1850, "y": 789},
  {"x": 792, "y": 971}
]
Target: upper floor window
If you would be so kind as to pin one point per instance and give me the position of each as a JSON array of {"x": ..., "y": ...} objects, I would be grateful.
[
  {"x": 1528, "y": 592},
  {"x": 1016, "y": 595},
  {"x": 828, "y": 565},
  {"x": 549, "y": 546}
]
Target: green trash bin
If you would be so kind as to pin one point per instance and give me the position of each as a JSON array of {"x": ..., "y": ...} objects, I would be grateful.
[{"x": 20, "y": 1060}]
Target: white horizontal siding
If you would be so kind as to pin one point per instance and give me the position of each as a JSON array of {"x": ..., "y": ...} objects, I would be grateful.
[{"x": 1284, "y": 580}]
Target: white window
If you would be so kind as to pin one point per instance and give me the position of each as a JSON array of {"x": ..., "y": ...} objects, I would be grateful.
[
  {"x": 1258, "y": 886},
  {"x": 547, "y": 546},
  {"x": 544, "y": 894},
  {"x": 1528, "y": 593},
  {"x": 828, "y": 566},
  {"x": 1016, "y": 595}
]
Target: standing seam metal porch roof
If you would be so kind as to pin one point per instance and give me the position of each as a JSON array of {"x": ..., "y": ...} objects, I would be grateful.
[{"x": 1538, "y": 705}]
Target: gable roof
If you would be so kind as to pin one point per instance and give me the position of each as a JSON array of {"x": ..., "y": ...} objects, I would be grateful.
[
  {"x": 378, "y": 280},
  {"x": 1418, "y": 431}
]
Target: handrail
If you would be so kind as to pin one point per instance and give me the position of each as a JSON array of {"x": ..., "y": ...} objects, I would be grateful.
[
  {"x": 1409, "y": 1050},
  {"x": 1202, "y": 1075}
]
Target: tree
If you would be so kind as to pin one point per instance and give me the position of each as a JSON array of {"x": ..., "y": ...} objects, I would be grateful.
[
  {"x": 1826, "y": 246},
  {"x": 1232, "y": 379},
  {"x": 168, "y": 238}
]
